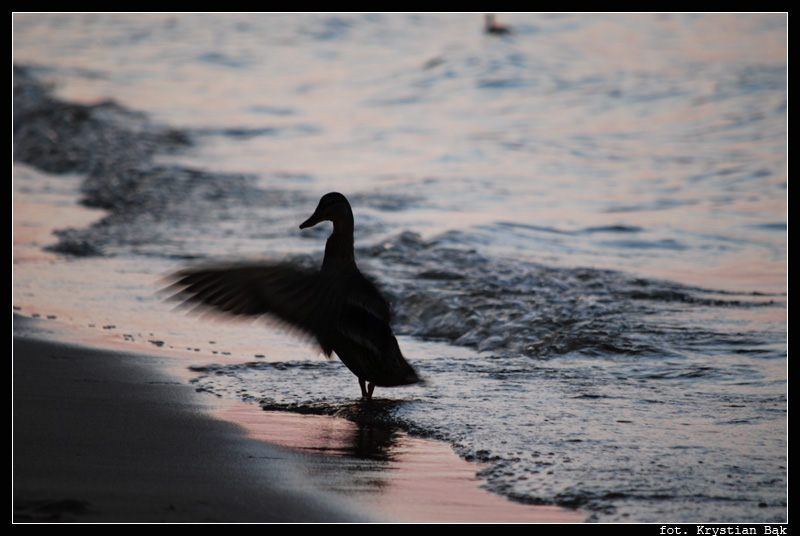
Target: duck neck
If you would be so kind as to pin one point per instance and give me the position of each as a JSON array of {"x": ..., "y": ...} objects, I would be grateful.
[{"x": 339, "y": 248}]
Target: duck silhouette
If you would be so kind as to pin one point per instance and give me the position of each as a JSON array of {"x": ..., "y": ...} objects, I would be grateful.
[{"x": 336, "y": 305}]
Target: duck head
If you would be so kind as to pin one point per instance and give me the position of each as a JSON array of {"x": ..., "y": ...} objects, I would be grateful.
[{"x": 332, "y": 207}]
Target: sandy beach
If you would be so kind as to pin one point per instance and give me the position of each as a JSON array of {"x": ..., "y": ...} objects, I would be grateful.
[
  {"x": 106, "y": 436},
  {"x": 101, "y": 436}
]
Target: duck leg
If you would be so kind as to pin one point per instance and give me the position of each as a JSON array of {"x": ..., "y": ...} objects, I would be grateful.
[
  {"x": 370, "y": 390},
  {"x": 366, "y": 390},
  {"x": 363, "y": 385}
]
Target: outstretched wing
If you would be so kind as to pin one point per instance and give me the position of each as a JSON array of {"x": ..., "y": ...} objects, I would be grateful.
[
  {"x": 343, "y": 311},
  {"x": 303, "y": 299}
]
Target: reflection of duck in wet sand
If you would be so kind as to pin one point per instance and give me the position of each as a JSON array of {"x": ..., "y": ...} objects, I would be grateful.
[
  {"x": 493, "y": 27},
  {"x": 336, "y": 305}
]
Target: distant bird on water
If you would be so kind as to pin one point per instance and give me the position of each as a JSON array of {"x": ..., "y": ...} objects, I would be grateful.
[
  {"x": 493, "y": 27},
  {"x": 337, "y": 305}
]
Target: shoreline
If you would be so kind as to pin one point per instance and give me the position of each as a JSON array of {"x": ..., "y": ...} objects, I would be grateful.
[
  {"x": 107, "y": 436},
  {"x": 140, "y": 415},
  {"x": 103, "y": 436}
]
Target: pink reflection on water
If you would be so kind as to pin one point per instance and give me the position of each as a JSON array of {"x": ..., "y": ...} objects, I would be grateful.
[{"x": 424, "y": 481}]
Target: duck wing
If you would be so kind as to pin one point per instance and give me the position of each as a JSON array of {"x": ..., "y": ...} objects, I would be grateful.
[
  {"x": 304, "y": 299},
  {"x": 343, "y": 310}
]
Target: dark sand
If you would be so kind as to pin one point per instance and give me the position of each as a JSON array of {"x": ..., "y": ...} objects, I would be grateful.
[
  {"x": 108, "y": 436},
  {"x": 102, "y": 436}
]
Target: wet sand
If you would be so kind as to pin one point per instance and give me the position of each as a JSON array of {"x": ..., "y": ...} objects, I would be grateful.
[
  {"x": 108, "y": 436},
  {"x": 102, "y": 436}
]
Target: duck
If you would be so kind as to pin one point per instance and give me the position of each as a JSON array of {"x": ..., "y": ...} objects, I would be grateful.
[
  {"x": 491, "y": 26},
  {"x": 339, "y": 307}
]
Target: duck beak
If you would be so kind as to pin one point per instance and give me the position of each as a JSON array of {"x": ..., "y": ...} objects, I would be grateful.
[{"x": 312, "y": 221}]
